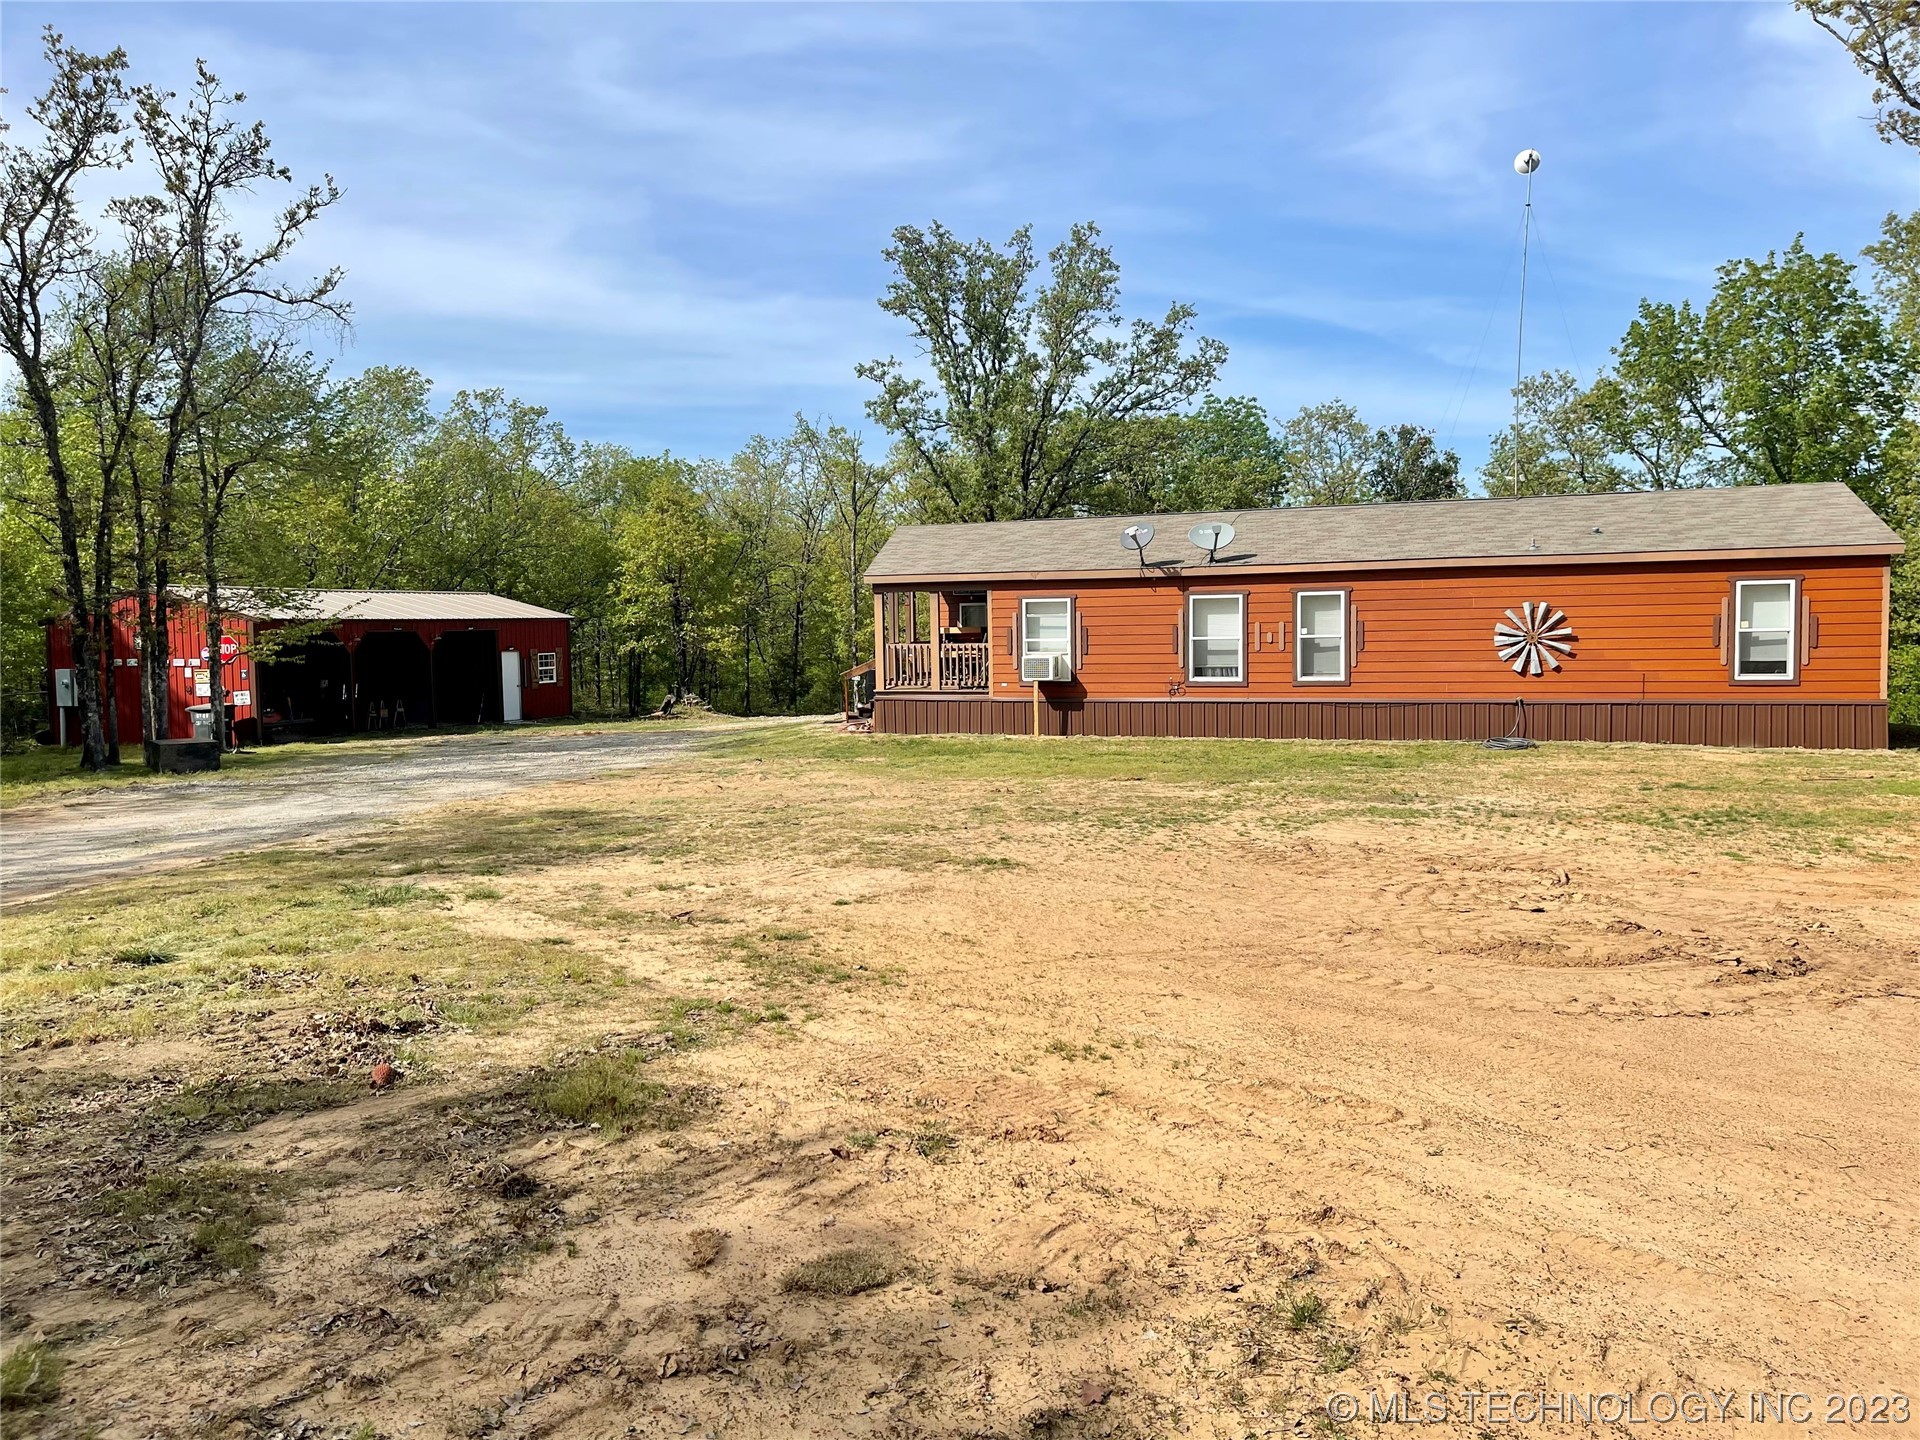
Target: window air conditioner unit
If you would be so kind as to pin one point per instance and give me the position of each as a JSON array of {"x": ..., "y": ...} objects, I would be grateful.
[{"x": 1045, "y": 667}]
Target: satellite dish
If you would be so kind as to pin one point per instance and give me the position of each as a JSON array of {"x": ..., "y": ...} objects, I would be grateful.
[
  {"x": 1210, "y": 536},
  {"x": 1137, "y": 537},
  {"x": 1526, "y": 162}
]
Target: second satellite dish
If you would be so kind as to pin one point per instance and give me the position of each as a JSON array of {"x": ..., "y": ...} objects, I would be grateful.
[{"x": 1210, "y": 536}]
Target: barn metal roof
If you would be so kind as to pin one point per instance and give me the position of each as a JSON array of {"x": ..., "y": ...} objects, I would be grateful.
[
  {"x": 401, "y": 605},
  {"x": 1786, "y": 519}
]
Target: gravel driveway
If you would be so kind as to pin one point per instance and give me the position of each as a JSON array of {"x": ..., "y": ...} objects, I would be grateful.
[{"x": 149, "y": 827}]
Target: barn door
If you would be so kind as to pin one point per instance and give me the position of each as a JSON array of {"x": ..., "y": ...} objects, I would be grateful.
[{"x": 510, "y": 686}]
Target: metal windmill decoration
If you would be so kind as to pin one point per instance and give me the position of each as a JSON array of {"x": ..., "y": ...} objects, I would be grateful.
[{"x": 1536, "y": 637}]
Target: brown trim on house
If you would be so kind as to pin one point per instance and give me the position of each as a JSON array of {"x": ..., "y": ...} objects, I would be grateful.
[
  {"x": 1245, "y": 598},
  {"x": 1173, "y": 575},
  {"x": 1886, "y": 630},
  {"x": 1073, "y": 633},
  {"x": 1345, "y": 592},
  {"x": 1753, "y": 722},
  {"x": 1796, "y": 650}
]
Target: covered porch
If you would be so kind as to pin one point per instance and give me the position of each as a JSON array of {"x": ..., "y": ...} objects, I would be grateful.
[{"x": 934, "y": 640}]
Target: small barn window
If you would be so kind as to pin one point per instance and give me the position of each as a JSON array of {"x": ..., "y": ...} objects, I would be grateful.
[
  {"x": 1320, "y": 628},
  {"x": 1216, "y": 639},
  {"x": 546, "y": 668},
  {"x": 1764, "y": 618}
]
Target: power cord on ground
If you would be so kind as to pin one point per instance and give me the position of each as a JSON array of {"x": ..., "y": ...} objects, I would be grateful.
[{"x": 1516, "y": 737}]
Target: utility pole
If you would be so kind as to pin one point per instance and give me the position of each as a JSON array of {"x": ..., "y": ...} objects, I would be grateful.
[{"x": 1525, "y": 163}]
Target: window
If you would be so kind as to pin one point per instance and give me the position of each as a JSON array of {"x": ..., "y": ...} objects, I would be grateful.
[
  {"x": 1046, "y": 627},
  {"x": 972, "y": 614},
  {"x": 1763, "y": 643},
  {"x": 546, "y": 668},
  {"x": 1320, "y": 628},
  {"x": 1216, "y": 639}
]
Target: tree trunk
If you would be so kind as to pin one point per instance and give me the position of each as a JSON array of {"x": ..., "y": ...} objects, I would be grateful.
[
  {"x": 110, "y": 701},
  {"x": 86, "y": 655},
  {"x": 680, "y": 675},
  {"x": 217, "y": 687}
]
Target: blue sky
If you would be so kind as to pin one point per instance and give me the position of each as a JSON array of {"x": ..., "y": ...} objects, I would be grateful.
[{"x": 664, "y": 223}]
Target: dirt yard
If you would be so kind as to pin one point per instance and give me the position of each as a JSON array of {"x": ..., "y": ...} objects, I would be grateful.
[{"x": 845, "y": 1087}]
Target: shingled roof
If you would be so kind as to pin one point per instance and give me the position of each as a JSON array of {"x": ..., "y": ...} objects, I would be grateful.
[{"x": 1749, "y": 519}]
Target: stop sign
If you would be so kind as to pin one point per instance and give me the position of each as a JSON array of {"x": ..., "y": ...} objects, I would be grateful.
[{"x": 229, "y": 648}]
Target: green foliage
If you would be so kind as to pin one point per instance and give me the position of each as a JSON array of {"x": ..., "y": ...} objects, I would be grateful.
[
  {"x": 1034, "y": 382},
  {"x": 1896, "y": 275},
  {"x": 1331, "y": 456},
  {"x": 1883, "y": 37},
  {"x": 28, "y": 575}
]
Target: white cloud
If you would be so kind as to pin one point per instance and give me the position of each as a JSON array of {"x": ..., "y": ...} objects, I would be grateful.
[{"x": 1437, "y": 95}]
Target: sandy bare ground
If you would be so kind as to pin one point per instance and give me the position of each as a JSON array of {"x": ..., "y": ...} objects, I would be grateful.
[
  {"x": 1529, "y": 1103},
  {"x": 82, "y": 840}
]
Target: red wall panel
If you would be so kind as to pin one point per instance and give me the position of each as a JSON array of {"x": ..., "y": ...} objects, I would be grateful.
[{"x": 187, "y": 640}]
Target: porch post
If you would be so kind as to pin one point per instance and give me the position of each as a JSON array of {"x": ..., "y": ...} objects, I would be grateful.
[
  {"x": 933, "y": 631},
  {"x": 879, "y": 641}
]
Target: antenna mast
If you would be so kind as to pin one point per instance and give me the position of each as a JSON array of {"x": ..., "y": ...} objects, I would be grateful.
[{"x": 1525, "y": 163}]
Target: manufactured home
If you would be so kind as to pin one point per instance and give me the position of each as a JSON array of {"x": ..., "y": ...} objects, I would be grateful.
[
  {"x": 328, "y": 662},
  {"x": 1752, "y": 615}
]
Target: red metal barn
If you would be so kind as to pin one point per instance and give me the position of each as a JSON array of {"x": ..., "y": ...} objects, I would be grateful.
[{"x": 329, "y": 662}]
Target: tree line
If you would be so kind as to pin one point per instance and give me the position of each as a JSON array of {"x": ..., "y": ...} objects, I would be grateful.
[{"x": 170, "y": 431}]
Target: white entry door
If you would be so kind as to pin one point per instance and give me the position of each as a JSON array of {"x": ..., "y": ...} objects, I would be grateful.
[{"x": 510, "y": 686}]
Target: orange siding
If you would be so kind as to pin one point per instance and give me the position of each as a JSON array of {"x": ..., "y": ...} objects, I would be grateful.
[{"x": 1642, "y": 632}]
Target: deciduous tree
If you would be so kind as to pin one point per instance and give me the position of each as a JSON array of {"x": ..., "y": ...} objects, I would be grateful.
[{"x": 1031, "y": 379}]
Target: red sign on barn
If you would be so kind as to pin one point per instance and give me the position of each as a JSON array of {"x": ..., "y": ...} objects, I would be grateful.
[{"x": 229, "y": 648}]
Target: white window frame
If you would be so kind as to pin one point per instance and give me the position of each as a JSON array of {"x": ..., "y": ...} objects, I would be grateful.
[
  {"x": 1026, "y": 630},
  {"x": 1239, "y": 676},
  {"x": 960, "y": 614},
  {"x": 1792, "y": 630},
  {"x": 546, "y": 667},
  {"x": 1300, "y": 637}
]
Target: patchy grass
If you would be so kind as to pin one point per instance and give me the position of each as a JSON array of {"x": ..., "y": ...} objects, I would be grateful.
[
  {"x": 613, "y": 1093},
  {"x": 239, "y": 1104},
  {"x": 195, "y": 1220},
  {"x": 850, "y": 1271},
  {"x": 1302, "y": 1311},
  {"x": 383, "y": 896},
  {"x": 1806, "y": 800},
  {"x": 30, "y": 1374},
  {"x": 932, "y": 1142},
  {"x": 169, "y": 954}
]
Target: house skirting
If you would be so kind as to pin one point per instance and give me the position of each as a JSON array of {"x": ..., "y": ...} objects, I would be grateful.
[{"x": 1807, "y": 724}]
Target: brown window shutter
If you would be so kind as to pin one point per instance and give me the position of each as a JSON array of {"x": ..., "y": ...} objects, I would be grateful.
[
  {"x": 1723, "y": 631},
  {"x": 1013, "y": 638},
  {"x": 1809, "y": 629},
  {"x": 1176, "y": 637},
  {"x": 1083, "y": 641},
  {"x": 1280, "y": 635}
]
